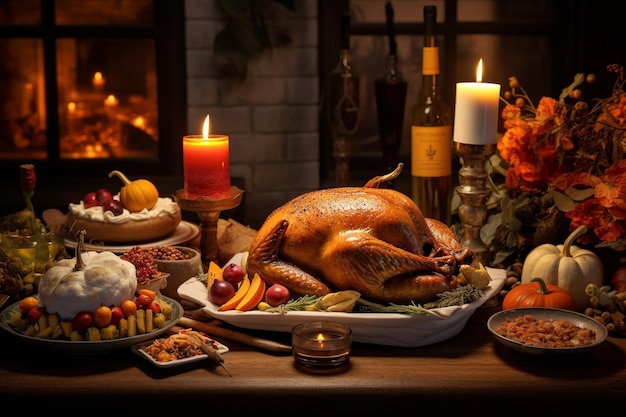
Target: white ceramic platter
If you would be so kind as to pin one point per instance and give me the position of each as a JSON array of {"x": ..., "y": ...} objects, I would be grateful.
[
  {"x": 184, "y": 232},
  {"x": 546, "y": 314},
  {"x": 389, "y": 329},
  {"x": 138, "y": 350},
  {"x": 87, "y": 347}
]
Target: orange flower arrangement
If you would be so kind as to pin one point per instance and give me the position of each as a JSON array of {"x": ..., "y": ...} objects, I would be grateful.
[{"x": 563, "y": 163}]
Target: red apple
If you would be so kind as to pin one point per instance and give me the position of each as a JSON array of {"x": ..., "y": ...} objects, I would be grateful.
[
  {"x": 90, "y": 200},
  {"x": 233, "y": 273},
  {"x": 82, "y": 320},
  {"x": 116, "y": 315},
  {"x": 114, "y": 206},
  {"x": 277, "y": 294},
  {"x": 103, "y": 195}
]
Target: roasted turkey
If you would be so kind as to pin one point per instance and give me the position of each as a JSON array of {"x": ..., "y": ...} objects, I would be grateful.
[{"x": 372, "y": 240}]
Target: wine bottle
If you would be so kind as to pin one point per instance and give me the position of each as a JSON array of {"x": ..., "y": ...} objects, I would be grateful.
[
  {"x": 431, "y": 134},
  {"x": 390, "y": 92},
  {"x": 344, "y": 106}
]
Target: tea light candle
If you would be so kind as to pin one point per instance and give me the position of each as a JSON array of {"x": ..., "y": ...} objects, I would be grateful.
[
  {"x": 476, "y": 111},
  {"x": 321, "y": 345},
  {"x": 206, "y": 166}
]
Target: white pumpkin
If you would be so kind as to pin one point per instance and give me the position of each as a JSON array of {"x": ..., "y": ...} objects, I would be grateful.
[
  {"x": 86, "y": 282},
  {"x": 566, "y": 266}
]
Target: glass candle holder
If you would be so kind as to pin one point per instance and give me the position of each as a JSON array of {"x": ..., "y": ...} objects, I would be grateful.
[{"x": 321, "y": 346}]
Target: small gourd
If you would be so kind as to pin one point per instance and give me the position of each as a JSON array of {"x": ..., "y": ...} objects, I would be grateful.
[
  {"x": 537, "y": 293},
  {"x": 138, "y": 194},
  {"x": 566, "y": 266}
]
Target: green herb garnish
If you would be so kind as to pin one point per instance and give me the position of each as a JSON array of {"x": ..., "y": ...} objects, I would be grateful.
[
  {"x": 370, "y": 307},
  {"x": 457, "y": 297},
  {"x": 299, "y": 304}
]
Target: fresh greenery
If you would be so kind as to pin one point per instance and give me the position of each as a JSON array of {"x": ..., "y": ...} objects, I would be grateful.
[{"x": 247, "y": 34}]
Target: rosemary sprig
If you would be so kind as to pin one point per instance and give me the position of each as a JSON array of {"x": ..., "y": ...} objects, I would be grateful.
[
  {"x": 202, "y": 277},
  {"x": 370, "y": 307},
  {"x": 456, "y": 297},
  {"x": 299, "y": 304}
]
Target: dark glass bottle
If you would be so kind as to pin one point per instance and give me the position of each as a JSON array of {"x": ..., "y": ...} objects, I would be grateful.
[
  {"x": 390, "y": 100},
  {"x": 431, "y": 134},
  {"x": 343, "y": 106}
]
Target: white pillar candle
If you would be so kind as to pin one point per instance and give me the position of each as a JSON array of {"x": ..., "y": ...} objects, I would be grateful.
[{"x": 476, "y": 111}]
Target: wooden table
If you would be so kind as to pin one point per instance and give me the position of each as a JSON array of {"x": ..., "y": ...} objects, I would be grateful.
[{"x": 470, "y": 374}]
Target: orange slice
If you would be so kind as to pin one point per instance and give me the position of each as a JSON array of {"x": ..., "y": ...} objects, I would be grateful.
[
  {"x": 254, "y": 295},
  {"x": 214, "y": 272}
]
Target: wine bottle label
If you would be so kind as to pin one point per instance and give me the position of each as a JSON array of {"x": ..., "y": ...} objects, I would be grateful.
[
  {"x": 430, "y": 60},
  {"x": 431, "y": 151}
]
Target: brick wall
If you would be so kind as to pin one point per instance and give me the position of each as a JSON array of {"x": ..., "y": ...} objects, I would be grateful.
[{"x": 271, "y": 117}]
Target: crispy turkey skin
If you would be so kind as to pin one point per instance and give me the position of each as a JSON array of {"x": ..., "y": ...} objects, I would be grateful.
[{"x": 372, "y": 240}]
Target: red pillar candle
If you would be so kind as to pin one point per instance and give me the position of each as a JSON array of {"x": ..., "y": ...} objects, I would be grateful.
[{"x": 206, "y": 165}]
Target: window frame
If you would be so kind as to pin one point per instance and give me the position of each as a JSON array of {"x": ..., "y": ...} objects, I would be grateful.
[{"x": 168, "y": 34}]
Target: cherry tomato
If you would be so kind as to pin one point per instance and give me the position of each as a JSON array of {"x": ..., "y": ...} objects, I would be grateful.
[
  {"x": 143, "y": 301},
  {"x": 34, "y": 314},
  {"x": 102, "y": 316},
  {"x": 117, "y": 314},
  {"x": 27, "y": 304},
  {"x": 82, "y": 320},
  {"x": 155, "y": 307},
  {"x": 129, "y": 308}
]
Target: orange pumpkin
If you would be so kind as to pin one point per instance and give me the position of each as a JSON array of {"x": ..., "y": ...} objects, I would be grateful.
[
  {"x": 137, "y": 195},
  {"x": 537, "y": 293}
]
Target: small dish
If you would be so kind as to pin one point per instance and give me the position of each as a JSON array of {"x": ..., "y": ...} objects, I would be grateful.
[
  {"x": 572, "y": 317},
  {"x": 138, "y": 350}
]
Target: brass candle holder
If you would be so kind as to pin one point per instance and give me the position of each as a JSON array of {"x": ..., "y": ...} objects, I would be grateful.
[
  {"x": 209, "y": 212},
  {"x": 474, "y": 194}
]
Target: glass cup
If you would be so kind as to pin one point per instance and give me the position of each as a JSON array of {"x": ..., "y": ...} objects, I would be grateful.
[{"x": 321, "y": 346}]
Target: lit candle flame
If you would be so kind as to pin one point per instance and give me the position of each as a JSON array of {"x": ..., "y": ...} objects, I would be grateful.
[
  {"x": 71, "y": 107},
  {"x": 205, "y": 128},
  {"x": 139, "y": 121},
  {"x": 479, "y": 71},
  {"x": 110, "y": 100},
  {"x": 97, "y": 76},
  {"x": 320, "y": 340}
]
